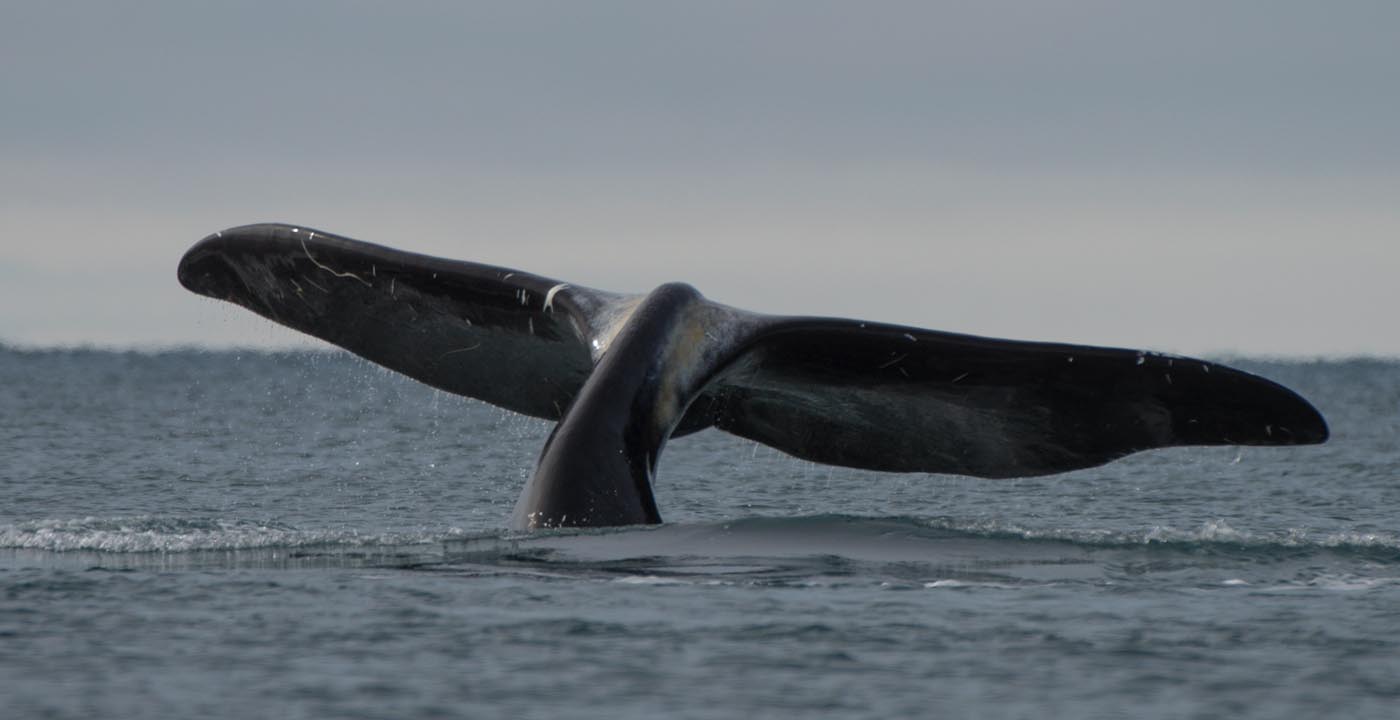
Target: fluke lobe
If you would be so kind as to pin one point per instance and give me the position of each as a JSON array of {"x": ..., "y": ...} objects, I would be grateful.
[{"x": 621, "y": 374}]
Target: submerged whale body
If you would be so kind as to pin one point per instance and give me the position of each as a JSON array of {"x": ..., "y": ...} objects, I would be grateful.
[{"x": 621, "y": 374}]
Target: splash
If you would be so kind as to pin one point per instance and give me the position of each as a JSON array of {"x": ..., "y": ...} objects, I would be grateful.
[{"x": 147, "y": 533}]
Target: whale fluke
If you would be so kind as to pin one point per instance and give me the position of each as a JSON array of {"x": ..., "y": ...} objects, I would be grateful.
[{"x": 623, "y": 373}]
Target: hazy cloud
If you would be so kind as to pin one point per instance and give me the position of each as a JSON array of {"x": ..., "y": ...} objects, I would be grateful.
[{"x": 1195, "y": 176}]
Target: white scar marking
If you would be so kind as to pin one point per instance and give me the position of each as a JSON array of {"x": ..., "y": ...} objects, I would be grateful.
[
  {"x": 318, "y": 287},
  {"x": 328, "y": 269},
  {"x": 459, "y": 350},
  {"x": 391, "y": 288},
  {"x": 893, "y": 362},
  {"x": 911, "y": 337},
  {"x": 549, "y": 296},
  {"x": 956, "y": 379},
  {"x": 531, "y": 323}
]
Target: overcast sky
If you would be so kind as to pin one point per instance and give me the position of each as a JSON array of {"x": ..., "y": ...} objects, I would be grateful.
[{"x": 1199, "y": 177}]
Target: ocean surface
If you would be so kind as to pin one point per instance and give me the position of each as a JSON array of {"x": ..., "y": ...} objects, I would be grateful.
[{"x": 297, "y": 535}]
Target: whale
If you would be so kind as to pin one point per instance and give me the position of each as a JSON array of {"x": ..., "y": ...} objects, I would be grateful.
[{"x": 621, "y": 374}]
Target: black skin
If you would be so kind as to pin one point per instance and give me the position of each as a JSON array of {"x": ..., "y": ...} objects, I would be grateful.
[
  {"x": 622, "y": 374},
  {"x": 614, "y": 429}
]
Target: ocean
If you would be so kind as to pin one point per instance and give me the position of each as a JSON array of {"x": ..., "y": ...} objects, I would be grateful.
[{"x": 304, "y": 535}]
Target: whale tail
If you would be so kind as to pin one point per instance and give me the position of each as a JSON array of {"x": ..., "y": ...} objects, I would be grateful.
[{"x": 625, "y": 372}]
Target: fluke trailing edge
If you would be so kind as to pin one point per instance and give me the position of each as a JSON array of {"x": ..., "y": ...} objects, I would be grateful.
[{"x": 623, "y": 373}]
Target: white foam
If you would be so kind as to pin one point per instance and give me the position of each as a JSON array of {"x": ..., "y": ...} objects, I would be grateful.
[
  {"x": 157, "y": 534},
  {"x": 648, "y": 580},
  {"x": 1213, "y": 531},
  {"x": 949, "y": 583}
]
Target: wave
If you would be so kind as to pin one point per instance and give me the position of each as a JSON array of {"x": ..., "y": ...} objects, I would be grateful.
[
  {"x": 148, "y": 534},
  {"x": 1213, "y": 534},
  {"x": 897, "y": 538}
]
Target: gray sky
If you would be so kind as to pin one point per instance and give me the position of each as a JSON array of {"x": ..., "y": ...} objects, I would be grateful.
[{"x": 1198, "y": 177}]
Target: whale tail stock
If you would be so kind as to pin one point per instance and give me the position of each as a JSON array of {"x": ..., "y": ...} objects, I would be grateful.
[{"x": 623, "y": 373}]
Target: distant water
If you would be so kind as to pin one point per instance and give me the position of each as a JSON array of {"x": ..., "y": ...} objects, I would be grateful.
[{"x": 189, "y": 534}]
